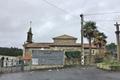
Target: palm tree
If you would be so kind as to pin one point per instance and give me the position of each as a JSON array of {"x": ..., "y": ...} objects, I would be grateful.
[
  {"x": 89, "y": 33},
  {"x": 100, "y": 41}
]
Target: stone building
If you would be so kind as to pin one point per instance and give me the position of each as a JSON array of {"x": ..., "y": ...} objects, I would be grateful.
[{"x": 62, "y": 43}]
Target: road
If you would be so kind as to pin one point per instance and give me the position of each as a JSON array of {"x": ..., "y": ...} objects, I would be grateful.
[{"x": 77, "y": 73}]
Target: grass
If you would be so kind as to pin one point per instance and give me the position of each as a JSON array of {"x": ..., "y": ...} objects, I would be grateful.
[{"x": 109, "y": 65}]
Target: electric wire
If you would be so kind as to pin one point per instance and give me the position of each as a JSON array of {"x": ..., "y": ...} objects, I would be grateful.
[
  {"x": 63, "y": 10},
  {"x": 92, "y": 14},
  {"x": 103, "y": 13}
]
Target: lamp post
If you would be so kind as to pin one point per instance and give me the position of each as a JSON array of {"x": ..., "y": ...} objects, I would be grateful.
[{"x": 82, "y": 45}]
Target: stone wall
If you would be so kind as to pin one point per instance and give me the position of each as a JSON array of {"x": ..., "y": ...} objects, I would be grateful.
[
  {"x": 64, "y": 41},
  {"x": 66, "y": 48},
  {"x": 75, "y": 61}
]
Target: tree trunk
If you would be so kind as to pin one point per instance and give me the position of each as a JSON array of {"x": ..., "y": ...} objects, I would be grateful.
[
  {"x": 100, "y": 54},
  {"x": 90, "y": 53}
]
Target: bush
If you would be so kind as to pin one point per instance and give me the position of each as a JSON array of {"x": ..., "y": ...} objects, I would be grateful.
[
  {"x": 115, "y": 68},
  {"x": 112, "y": 65},
  {"x": 98, "y": 60},
  {"x": 73, "y": 54}
]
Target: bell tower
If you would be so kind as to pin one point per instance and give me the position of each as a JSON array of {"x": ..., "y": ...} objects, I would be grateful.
[{"x": 29, "y": 34}]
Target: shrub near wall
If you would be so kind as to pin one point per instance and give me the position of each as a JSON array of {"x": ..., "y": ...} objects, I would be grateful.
[
  {"x": 115, "y": 66},
  {"x": 72, "y": 57},
  {"x": 109, "y": 65}
]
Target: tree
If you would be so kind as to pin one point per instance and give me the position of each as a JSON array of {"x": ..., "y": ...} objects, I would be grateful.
[
  {"x": 10, "y": 51},
  {"x": 89, "y": 33},
  {"x": 100, "y": 41},
  {"x": 112, "y": 48}
]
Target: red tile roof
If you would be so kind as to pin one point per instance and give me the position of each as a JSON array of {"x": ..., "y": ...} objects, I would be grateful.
[
  {"x": 48, "y": 45},
  {"x": 37, "y": 45}
]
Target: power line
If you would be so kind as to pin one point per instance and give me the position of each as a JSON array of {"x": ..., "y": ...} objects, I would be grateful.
[
  {"x": 103, "y": 29},
  {"x": 63, "y": 10},
  {"x": 104, "y": 13},
  {"x": 89, "y": 14},
  {"x": 55, "y": 6},
  {"x": 100, "y": 20},
  {"x": 92, "y": 14}
]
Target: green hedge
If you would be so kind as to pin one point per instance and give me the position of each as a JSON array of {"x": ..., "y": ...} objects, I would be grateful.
[
  {"x": 112, "y": 65},
  {"x": 73, "y": 54},
  {"x": 115, "y": 68}
]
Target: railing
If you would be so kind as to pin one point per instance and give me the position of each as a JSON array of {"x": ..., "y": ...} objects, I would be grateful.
[{"x": 13, "y": 66}]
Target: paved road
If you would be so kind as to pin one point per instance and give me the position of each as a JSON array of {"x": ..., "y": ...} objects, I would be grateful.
[{"x": 64, "y": 74}]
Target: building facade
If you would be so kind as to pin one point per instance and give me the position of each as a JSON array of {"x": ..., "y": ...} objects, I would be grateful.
[{"x": 60, "y": 43}]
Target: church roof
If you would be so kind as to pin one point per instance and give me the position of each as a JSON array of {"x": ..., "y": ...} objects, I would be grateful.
[
  {"x": 48, "y": 45},
  {"x": 64, "y": 37},
  {"x": 37, "y": 45}
]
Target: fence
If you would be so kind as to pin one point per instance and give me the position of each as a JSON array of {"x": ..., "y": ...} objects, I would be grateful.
[{"x": 12, "y": 66}]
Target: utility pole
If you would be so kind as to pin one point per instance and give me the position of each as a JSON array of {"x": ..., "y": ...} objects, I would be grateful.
[
  {"x": 118, "y": 40},
  {"x": 82, "y": 45},
  {"x": 30, "y": 23}
]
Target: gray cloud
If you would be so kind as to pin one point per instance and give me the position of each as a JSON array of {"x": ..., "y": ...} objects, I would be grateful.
[{"x": 49, "y": 21}]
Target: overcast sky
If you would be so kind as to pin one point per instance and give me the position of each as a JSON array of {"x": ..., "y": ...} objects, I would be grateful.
[{"x": 49, "y": 21}]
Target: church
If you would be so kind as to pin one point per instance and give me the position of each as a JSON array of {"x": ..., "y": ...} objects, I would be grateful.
[{"x": 63, "y": 43}]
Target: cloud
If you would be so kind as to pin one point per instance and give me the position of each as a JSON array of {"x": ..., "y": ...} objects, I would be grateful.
[
  {"x": 45, "y": 28},
  {"x": 49, "y": 21}
]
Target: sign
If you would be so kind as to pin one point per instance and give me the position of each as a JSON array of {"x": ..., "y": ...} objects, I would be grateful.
[
  {"x": 35, "y": 61},
  {"x": 48, "y": 57}
]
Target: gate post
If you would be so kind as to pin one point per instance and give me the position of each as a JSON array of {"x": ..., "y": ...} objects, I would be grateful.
[{"x": 22, "y": 65}]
